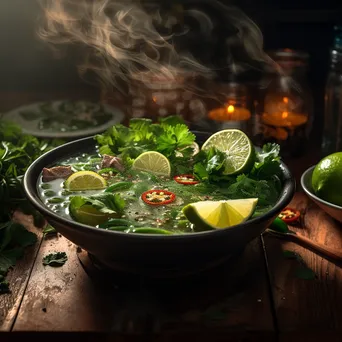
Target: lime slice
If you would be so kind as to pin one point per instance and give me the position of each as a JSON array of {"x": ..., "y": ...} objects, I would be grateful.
[
  {"x": 85, "y": 180},
  {"x": 238, "y": 148},
  {"x": 208, "y": 215},
  {"x": 90, "y": 215},
  {"x": 153, "y": 162}
]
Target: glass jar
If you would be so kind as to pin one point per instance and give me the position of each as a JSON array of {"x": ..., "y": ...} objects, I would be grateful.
[
  {"x": 286, "y": 117},
  {"x": 231, "y": 109},
  {"x": 332, "y": 131},
  {"x": 155, "y": 97}
]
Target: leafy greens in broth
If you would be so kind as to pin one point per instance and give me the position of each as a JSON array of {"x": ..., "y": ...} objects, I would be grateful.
[{"x": 123, "y": 208}]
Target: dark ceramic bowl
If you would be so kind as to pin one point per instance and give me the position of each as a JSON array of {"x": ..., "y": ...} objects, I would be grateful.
[{"x": 147, "y": 253}]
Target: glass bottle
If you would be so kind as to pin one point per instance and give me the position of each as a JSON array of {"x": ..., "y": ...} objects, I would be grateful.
[
  {"x": 332, "y": 131},
  {"x": 286, "y": 116}
]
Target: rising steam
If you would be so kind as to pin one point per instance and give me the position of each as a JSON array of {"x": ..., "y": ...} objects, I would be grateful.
[{"x": 125, "y": 40}]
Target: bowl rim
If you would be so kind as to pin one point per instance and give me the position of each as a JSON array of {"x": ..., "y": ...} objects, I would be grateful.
[
  {"x": 311, "y": 194},
  {"x": 30, "y": 189}
]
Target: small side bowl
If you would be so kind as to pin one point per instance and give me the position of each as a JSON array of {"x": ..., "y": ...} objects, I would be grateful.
[{"x": 333, "y": 210}]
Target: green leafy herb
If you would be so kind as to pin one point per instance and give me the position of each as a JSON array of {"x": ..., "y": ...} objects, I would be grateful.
[
  {"x": 55, "y": 259},
  {"x": 105, "y": 202},
  {"x": 267, "y": 162},
  {"x": 17, "y": 152},
  {"x": 48, "y": 230},
  {"x": 170, "y": 137},
  {"x": 174, "y": 138}
]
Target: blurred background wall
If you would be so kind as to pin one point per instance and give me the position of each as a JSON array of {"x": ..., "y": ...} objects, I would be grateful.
[{"x": 27, "y": 64}]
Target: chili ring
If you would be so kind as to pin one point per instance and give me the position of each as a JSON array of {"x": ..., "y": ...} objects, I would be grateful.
[
  {"x": 289, "y": 215},
  {"x": 158, "y": 197},
  {"x": 186, "y": 179}
]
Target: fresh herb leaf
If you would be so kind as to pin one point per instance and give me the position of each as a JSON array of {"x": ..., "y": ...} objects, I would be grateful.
[
  {"x": 174, "y": 138},
  {"x": 267, "y": 163},
  {"x": 105, "y": 202},
  {"x": 48, "y": 230},
  {"x": 201, "y": 172},
  {"x": 246, "y": 187},
  {"x": 55, "y": 259},
  {"x": 171, "y": 120}
]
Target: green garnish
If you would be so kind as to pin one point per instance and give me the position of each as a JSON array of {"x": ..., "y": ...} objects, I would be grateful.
[
  {"x": 55, "y": 259},
  {"x": 48, "y": 230},
  {"x": 17, "y": 152},
  {"x": 167, "y": 137}
]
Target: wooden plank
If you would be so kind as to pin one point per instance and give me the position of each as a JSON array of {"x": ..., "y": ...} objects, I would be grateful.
[
  {"x": 62, "y": 299},
  {"x": 230, "y": 299},
  {"x": 303, "y": 306},
  {"x": 230, "y": 303},
  {"x": 18, "y": 277}
]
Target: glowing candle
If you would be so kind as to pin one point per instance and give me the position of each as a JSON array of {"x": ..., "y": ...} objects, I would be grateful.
[
  {"x": 282, "y": 116},
  {"x": 230, "y": 113}
]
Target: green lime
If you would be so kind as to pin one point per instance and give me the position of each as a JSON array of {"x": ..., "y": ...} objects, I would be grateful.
[
  {"x": 237, "y": 147},
  {"x": 208, "y": 215},
  {"x": 327, "y": 178},
  {"x": 153, "y": 162}
]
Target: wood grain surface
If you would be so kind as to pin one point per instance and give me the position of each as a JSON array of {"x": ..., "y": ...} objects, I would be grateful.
[
  {"x": 230, "y": 299},
  {"x": 18, "y": 277},
  {"x": 308, "y": 306}
]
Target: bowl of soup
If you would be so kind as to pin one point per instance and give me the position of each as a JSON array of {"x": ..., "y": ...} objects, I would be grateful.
[{"x": 136, "y": 218}]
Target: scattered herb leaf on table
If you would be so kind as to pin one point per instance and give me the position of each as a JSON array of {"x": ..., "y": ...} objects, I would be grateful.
[{"x": 17, "y": 152}]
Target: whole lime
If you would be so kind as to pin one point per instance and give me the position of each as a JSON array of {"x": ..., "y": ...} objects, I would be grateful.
[{"x": 327, "y": 178}]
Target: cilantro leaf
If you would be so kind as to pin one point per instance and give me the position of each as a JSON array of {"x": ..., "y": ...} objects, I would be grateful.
[
  {"x": 246, "y": 187},
  {"x": 171, "y": 120},
  {"x": 267, "y": 162},
  {"x": 105, "y": 202},
  {"x": 140, "y": 124},
  {"x": 55, "y": 259},
  {"x": 201, "y": 172},
  {"x": 174, "y": 138}
]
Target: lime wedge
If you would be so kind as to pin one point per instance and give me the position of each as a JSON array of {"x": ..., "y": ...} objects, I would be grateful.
[
  {"x": 238, "y": 148},
  {"x": 153, "y": 162},
  {"x": 90, "y": 215},
  {"x": 208, "y": 215},
  {"x": 85, "y": 180}
]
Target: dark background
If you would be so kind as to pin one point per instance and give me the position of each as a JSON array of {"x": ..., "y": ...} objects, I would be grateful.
[{"x": 27, "y": 65}]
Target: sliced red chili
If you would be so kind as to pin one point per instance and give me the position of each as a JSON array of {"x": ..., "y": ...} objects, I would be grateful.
[
  {"x": 186, "y": 179},
  {"x": 289, "y": 215},
  {"x": 158, "y": 197}
]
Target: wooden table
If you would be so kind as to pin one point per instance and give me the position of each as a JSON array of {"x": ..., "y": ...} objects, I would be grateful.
[{"x": 257, "y": 296}]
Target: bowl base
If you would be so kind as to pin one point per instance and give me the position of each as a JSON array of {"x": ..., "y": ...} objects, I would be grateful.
[{"x": 119, "y": 272}]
